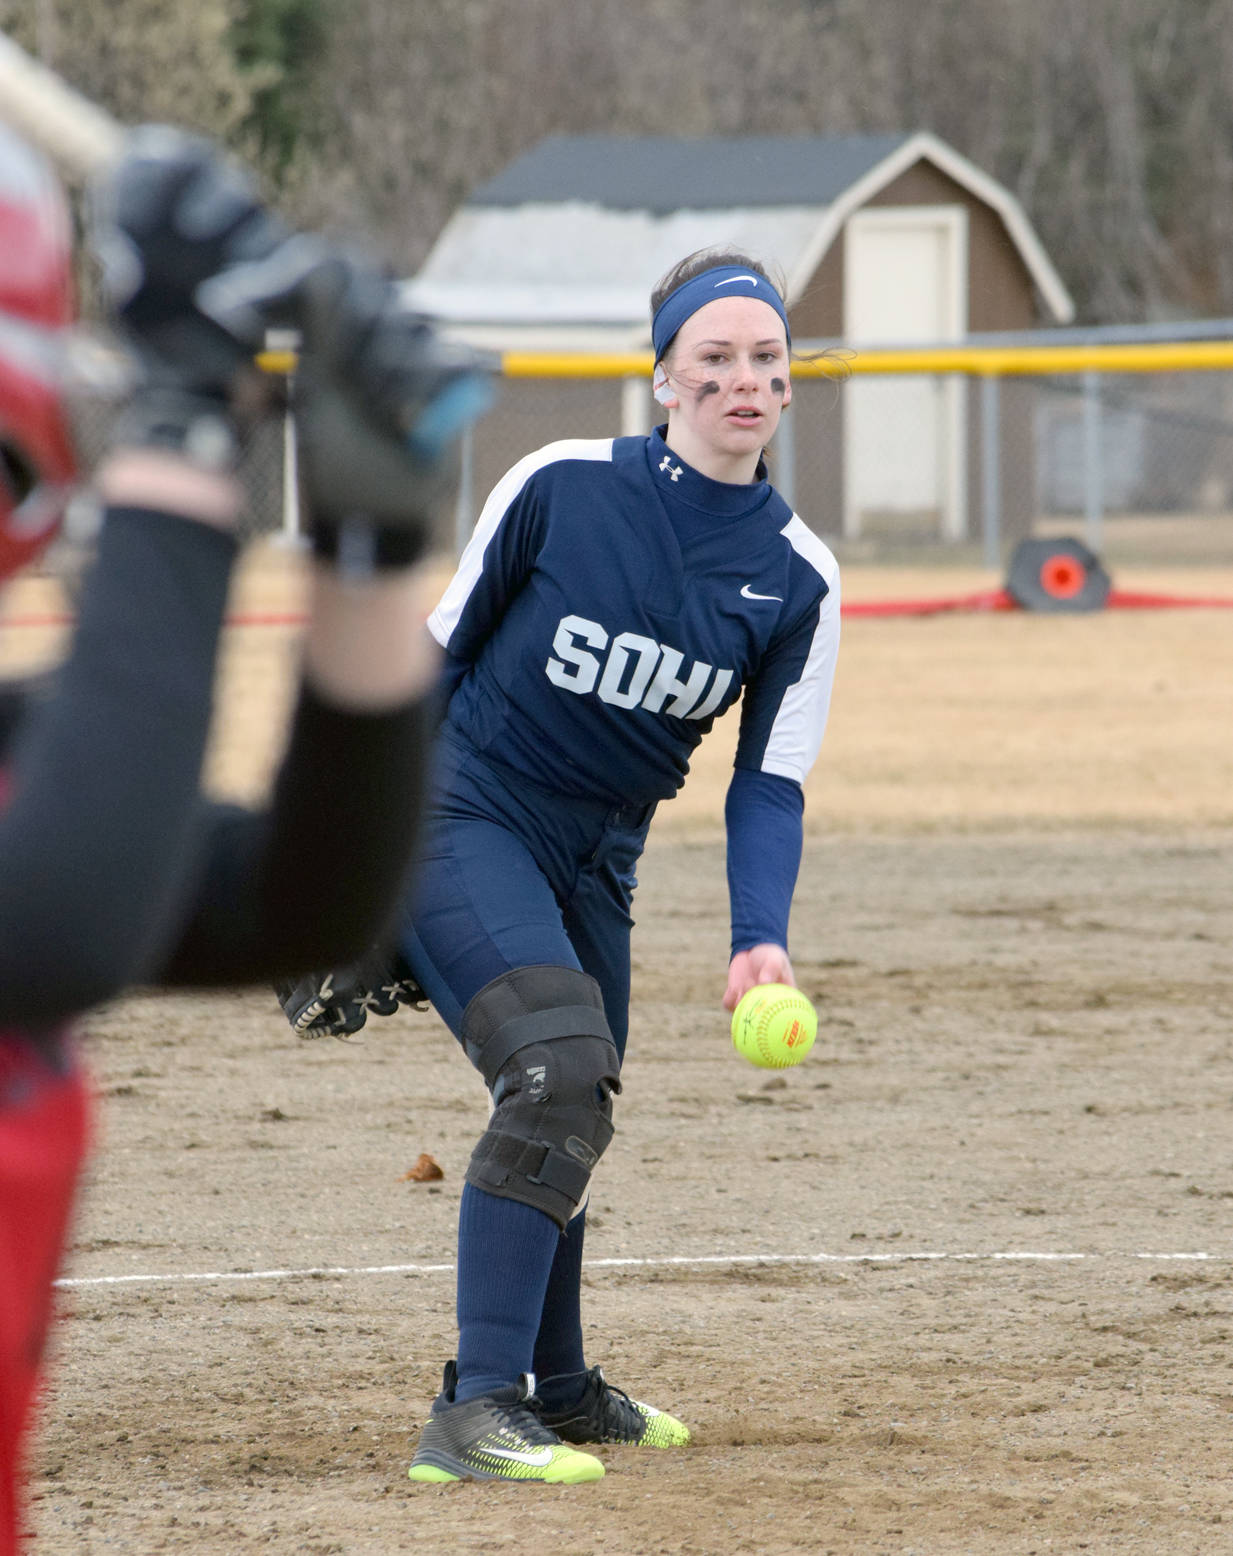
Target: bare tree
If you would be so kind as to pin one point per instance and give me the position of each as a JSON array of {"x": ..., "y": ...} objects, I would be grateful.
[
  {"x": 142, "y": 59},
  {"x": 1111, "y": 119}
]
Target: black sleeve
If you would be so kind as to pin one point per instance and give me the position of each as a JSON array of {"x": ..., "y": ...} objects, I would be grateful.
[
  {"x": 20, "y": 698},
  {"x": 315, "y": 881},
  {"x": 14, "y": 708},
  {"x": 97, "y": 838}
]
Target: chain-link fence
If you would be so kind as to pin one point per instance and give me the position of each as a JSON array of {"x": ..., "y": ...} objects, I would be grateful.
[
  {"x": 1138, "y": 464},
  {"x": 262, "y": 469},
  {"x": 1143, "y": 461}
]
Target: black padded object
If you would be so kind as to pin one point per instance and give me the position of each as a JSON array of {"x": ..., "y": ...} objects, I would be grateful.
[
  {"x": 1057, "y": 575},
  {"x": 539, "y": 1037}
]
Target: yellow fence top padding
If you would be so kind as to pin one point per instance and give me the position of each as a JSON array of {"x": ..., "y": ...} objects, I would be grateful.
[{"x": 989, "y": 361}]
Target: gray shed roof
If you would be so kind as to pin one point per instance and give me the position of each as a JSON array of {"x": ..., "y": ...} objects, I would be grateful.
[
  {"x": 575, "y": 231},
  {"x": 660, "y": 174}
]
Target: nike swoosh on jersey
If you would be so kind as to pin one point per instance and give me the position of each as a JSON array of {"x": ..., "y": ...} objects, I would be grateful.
[
  {"x": 536, "y": 1460},
  {"x": 748, "y": 594}
]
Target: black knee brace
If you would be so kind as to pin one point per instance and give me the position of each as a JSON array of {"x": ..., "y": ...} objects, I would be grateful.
[{"x": 539, "y": 1037}]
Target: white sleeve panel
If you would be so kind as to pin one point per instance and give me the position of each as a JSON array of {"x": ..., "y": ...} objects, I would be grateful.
[
  {"x": 444, "y": 618},
  {"x": 796, "y": 734}
]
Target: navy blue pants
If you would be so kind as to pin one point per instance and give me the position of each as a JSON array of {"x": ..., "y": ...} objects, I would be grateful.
[{"x": 512, "y": 877}]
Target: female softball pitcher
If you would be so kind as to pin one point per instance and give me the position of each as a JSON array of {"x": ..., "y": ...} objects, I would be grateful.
[
  {"x": 616, "y": 597},
  {"x": 113, "y": 868}
]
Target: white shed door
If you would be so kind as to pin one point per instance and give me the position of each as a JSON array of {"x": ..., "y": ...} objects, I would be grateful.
[{"x": 905, "y": 281}]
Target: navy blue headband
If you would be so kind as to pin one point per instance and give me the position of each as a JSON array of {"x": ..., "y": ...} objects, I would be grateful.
[{"x": 722, "y": 281}]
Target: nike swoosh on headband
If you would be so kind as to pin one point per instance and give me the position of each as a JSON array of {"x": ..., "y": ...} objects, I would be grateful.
[{"x": 696, "y": 293}]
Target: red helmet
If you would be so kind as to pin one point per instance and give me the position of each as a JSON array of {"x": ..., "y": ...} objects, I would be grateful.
[{"x": 37, "y": 468}]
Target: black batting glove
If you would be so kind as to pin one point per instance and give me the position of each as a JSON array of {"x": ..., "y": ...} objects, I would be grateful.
[
  {"x": 380, "y": 400},
  {"x": 172, "y": 221}
]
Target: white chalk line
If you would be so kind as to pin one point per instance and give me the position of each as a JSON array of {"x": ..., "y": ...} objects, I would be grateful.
[{"x": 682, "y": 1261}]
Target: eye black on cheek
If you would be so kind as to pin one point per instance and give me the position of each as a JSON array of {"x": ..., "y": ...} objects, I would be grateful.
[
  {"x": 778, "y": 386},
  {"x": 709, "y": 387}
]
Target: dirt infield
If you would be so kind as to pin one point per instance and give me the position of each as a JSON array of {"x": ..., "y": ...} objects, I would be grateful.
[{"x": 961, "y": 1283}]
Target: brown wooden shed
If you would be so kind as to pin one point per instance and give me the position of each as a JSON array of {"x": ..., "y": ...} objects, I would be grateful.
[{"x": 881, "y": 240}]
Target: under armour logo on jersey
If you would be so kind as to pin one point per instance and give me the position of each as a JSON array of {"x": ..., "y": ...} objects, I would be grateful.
[
  {"x": 634, "y": 672},
  {"x": 674, "y": 471}
]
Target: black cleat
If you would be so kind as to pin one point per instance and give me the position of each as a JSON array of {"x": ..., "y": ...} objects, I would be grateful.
[
  {"x": 608, "y": 1415},
  {"x": 495, "y": 1437}
]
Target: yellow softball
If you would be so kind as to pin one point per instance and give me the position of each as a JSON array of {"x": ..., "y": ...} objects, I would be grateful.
[{"x": 774, "y": 1026}]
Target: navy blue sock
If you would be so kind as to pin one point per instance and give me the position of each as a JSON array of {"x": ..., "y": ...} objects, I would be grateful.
[
  {"x": 505, "y": 1252},
  {"x": 558, "y": 1355}
]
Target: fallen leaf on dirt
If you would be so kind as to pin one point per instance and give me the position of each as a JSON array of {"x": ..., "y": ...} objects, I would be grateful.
[{"x": 424, "y": 1171}]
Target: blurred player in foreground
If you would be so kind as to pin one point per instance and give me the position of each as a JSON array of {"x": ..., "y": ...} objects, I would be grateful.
[
  {"x": 617, "y": 596},
  {"x": 113, "y": 868}
]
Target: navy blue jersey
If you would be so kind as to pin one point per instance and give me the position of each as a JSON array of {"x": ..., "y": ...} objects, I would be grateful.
[{"x": 613, "y": 602}]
